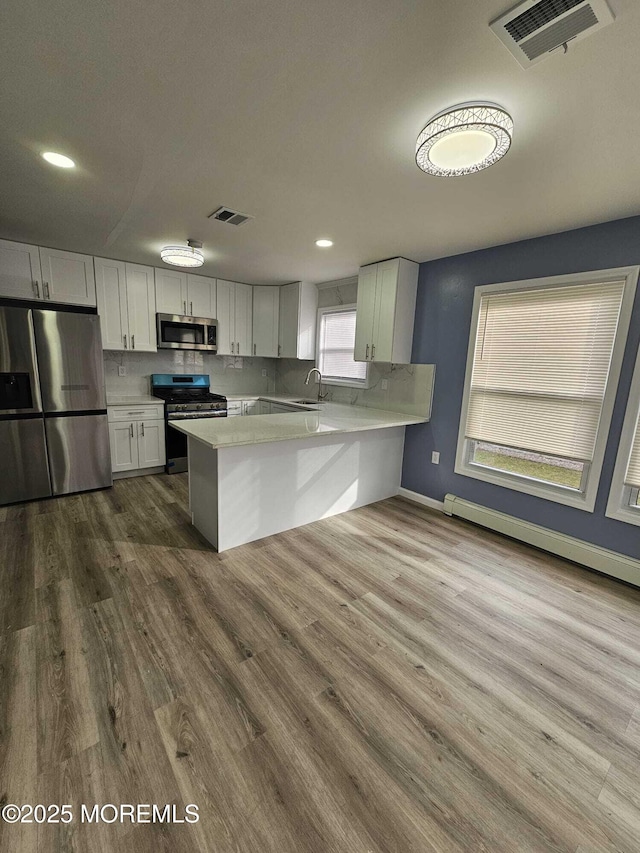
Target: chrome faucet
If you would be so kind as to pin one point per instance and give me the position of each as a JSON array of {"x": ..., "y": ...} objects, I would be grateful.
[{"x": 321, "y": 396}]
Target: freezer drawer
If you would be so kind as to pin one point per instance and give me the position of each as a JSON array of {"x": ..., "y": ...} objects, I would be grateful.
[
  {"x": 79, "y": 455},
  {"x": 24, "y": 473},
  {"x": 70, "y": 361}
]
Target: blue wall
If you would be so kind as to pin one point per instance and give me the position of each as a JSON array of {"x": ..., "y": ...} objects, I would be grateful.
[{"x": 441, "y": 336}]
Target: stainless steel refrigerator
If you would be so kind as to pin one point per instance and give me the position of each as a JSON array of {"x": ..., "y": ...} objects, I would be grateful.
[{"x": 54, "y": 436}]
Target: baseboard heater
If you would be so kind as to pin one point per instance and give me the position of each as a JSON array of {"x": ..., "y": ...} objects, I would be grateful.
[{"x": 608, "y": 562}]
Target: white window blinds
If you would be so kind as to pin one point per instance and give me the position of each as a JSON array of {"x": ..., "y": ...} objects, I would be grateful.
[
  {"x": 541, "y": 365},
  {"x": 335, "y": 347},
  {"x": 632, "y": 477}
]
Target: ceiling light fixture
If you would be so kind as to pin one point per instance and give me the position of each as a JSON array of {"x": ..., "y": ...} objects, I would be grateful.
[
  {"x": 183, "y": 256},
  {"x": 464, "y": 139},
  {"x": 58, "y": 160},
  {"x": 324, "y": 244}
]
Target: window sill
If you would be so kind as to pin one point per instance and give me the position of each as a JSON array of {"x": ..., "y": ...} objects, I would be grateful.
[
  {"x": 624, "y": 513},
  {"x": 549, "y": 492}
]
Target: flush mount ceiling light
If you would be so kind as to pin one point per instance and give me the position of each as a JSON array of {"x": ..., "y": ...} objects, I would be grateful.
[
  {"x": 324, "y": 244},
  {"x": 464, "y": 139},
  {"x": 58, "y": 160},
  {"x": 183, "y": 256}
]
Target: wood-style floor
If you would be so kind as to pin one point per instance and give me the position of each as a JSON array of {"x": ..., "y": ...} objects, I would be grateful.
[{"x": 385, "y": 680}]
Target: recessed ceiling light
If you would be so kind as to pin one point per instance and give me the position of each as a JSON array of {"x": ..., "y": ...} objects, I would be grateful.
[
  {"x": 324, "y": 244},
  {"x": 58, "y": 160},
  {"x": 464, "y": 139},
  {"x": 183, "y": 256}
]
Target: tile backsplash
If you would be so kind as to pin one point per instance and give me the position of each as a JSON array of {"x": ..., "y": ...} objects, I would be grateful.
[{"x": 245, "y": 376}]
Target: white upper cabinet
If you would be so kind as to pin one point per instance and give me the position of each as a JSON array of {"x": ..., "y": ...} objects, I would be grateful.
[
  {"x": 234, "y": 316},
  {"x": 111, "y": 293},
  {"x": 20, "y": 276},
  {"x": 266, "y": 321},
  {"x": 67, "y": 277},
  {"x": 141, "y": 308},
  {"x": 171, "y": 292},
  {"x": 298, "y": 318},
  {"x": 126, "y": 305},
  {"x": 32, "y": 272},
  {"x": 201, "y": 297},
  {"x": 386, "y": 311},
  {"x": 185, "y": 294}
]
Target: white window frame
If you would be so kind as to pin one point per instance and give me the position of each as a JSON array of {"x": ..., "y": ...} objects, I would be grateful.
[
  {"x": 344, "y": 383},
  {"x": 620, "y": 495},
  {"x": 585, "y": 498}
]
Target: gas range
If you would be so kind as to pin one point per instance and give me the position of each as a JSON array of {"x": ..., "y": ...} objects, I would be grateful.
[{"x": 186, "y": 396}]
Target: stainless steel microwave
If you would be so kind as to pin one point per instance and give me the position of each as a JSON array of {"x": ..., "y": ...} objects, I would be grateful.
[{"x": 193, "y": 333}]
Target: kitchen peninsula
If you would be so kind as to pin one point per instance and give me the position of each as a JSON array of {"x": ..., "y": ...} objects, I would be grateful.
[{"x": 253, "y": 477}]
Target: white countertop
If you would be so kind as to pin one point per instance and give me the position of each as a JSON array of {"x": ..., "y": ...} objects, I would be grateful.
[
  {"x": 132, "y": 400},
  {"x": 329, "y": 418}
]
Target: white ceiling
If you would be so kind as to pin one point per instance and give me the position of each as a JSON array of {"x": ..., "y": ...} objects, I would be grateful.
[{"x": 303, "y": 113}]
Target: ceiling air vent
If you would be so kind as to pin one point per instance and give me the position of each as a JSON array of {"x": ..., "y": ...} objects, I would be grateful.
[
  {"x": 232, "y": 217},
  {"x": 533, "y": 29}
]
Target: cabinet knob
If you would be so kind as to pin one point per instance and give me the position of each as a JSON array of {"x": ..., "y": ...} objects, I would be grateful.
[
  {"x": 191, "y": 308},
  {"x": 45, "y": 286},
  {"x": 366, "y": 358},
  {"x": 131, "y": 429},
  {"x": 124, "y": 337},
  {"x": 36, "y": 287},
  {"x": 254, "y": 349},
  {"x": 373, "y": 350},
  {"x": 142, "y": 427},
  {"x": 184, "y": 307},
  {"x": 133, "y": 341}
]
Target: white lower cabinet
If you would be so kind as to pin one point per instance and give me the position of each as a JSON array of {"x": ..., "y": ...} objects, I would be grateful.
[
  {"x": 137, "y": 442},
  {"x": 251, "y": 407},
  {"x": 124, "y": 447}
]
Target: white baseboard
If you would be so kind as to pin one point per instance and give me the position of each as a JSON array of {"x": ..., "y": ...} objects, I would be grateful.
[
  {"x": 417, "y": 498},
  {"x": 602, "y": 560},
  {"x": 139, "y": 472}
]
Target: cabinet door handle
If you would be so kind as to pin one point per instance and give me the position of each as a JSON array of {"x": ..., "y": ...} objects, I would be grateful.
[
  {"x": 366, "y": 358},
  {"x": 279, "y": 350},
  {"x": 131, "y": 429},
  {"x": 373, "y": 350},
  {"x": 191, "y": 308},
  {"x": 184, "y": 307},
  {"x": 254, "y": 349},
  {"x": 45, "y": 285},
  {"x": 133, "y": 341},
  {"x": 142, "y": 427},
  {"x": 125, "y": 341},
  {"x": 36, "y": 287}
]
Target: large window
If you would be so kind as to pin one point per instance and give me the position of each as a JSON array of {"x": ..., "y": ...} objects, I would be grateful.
[
  {"x": 336, "y": 341},
  {"x": 624, "y": 497},
  {"x": 543, "y": 366}
]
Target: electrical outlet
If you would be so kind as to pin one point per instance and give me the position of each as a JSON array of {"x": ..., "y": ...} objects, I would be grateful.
[
  {"x": 122, "y": 370},
  {"x": 264, "y": 371},
  {"x": 435, "y": 457},
  {"x": 384, "y": 384}
]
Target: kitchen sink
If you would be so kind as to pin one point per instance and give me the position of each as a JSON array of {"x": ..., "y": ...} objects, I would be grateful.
[{"x": 308, "y": 402}]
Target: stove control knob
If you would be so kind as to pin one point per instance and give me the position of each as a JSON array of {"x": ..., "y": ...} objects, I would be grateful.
[
  {"x": 212, "y": 405},
  {"x": 199, "y": 406}
]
